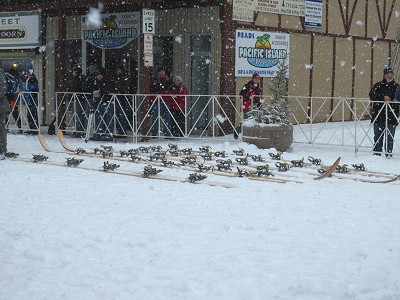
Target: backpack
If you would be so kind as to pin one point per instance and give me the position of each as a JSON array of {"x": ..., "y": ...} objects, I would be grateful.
[{"x": 12, "y": 83}]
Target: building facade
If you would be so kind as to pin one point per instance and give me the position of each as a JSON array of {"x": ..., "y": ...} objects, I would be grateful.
[{"x": 198, "y": 41}]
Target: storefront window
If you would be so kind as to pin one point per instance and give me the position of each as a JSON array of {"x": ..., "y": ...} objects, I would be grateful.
[
  {"x": 200, "y": 43},
  {"x": 22, "y": 66},
  {"x": 163, "y": 54},
  {"x": 74, "y": 53},
  {"x": 73, "y": 56}
]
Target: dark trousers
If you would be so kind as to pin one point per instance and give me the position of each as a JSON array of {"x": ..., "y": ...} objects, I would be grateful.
[
  {"x": 124, "y": 115},
  {"x": 177, "y": 123},
  {"x": 32, "y": 115},
  {"x": 160, "y": 118},
  {"x": 3, "y": 133},
  {"x": 105, "y": 118},
  {"x": 379, "y": 134},
  {"x": 80, "y": 115},
  {"x": 15, "y": 115}
]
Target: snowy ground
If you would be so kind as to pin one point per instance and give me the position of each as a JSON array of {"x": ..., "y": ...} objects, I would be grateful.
[{"x": 69, "y": 233}]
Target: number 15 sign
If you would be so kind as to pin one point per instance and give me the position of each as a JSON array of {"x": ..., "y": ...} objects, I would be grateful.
[{"x": 149, "y": 20}]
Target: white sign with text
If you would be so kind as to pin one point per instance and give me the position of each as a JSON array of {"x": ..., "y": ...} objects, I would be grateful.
[
  {"x": 19, "y": 30},
  {"x": 115, "y": 31},
  {"x": 261, "y": 52},
  {"x": 148, "y": 49},
  {"x": 149, "y": 21}
]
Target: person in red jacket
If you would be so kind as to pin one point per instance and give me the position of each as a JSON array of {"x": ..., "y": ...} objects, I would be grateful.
[
  {"x": 252, "y": 95},
  {"x": 177, "y": 106}
]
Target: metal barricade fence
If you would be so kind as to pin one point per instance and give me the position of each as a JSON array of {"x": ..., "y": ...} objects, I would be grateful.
[
  {"x": 25, "y": 113},
  {"x": 72, "y": 111},
  {"x": 339, "y": 121},
  {"x": 317, "y": 120},
  {"x": 141, "y": 116},
  {"x": 202, "y": 116}
]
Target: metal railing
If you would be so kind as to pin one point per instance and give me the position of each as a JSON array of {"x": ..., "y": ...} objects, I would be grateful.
[
  {"x": 25, "y": 113},
  {"x": 317, "y": 120},
  {"x": 340, "y": 121},
  {"x": 140, "y": 116}
]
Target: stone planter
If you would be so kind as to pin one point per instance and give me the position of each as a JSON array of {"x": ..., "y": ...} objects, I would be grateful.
[{"x": 266, "y": 136}]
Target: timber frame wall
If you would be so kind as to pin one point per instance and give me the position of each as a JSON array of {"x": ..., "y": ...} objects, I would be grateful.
[{"x": 345, "y": 57}]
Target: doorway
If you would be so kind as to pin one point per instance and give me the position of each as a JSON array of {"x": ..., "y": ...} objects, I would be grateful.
[
  {"x": 200, "y": 74},
  {"x": 127, "y": 57}
]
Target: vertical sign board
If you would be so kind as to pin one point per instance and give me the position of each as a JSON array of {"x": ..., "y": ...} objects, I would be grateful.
[
  {"x": 148, "y": 50},
  {"x": 310, "y": 9},
  {"x": 148, "y": 29},
  {"x": 261, "y": 52},
  {"x": 313, "y": 14},
  {"x": 149, "y": 20},
  {"x": 20, "y": 30}
]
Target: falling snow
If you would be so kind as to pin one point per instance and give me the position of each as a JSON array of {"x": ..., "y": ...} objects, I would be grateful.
[
  {"x": 42, "y": 49},
  {"x": 221, "y": 119},
  {"x": 94, "y": 16}
]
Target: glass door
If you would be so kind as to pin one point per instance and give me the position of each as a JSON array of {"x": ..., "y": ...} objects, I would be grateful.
[{"x": 200, "y": 58}]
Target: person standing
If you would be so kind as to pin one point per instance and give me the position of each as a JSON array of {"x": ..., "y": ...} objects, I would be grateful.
[
  {"x": 105, "y": 109},
  {"x": 385, "y": 112},
  {"x": 12, "y": 98},
  {"x": 78, "y": 86},
  {"x": 90, "y": 79},
  {"x": 177, "y": 106},
  {"x": 4, "y": 110},
  {"x": 251, "y": 94},
  {"x": 123, "y": 107},
  {"x": 160, "y": 117},
  {"x": 32, "y": 96}
]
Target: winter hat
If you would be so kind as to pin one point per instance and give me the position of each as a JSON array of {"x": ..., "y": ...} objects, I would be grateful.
[
  {"x": 13, "y": 72},
  {"x": 78, "y": 70},
  {"x": 92, "y": 69},
  {"x": 101, "y": 70},
  {"x": 120, "y": 67},
  {"x": 178, "y": 78},
  {"x": 256, "y": 75},
  {"x": 387, "y": 70}
]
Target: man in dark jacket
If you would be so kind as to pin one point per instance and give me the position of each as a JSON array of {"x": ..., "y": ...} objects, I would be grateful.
[
  {"x": 90, "y": 79},
  {"x": 385, "y": 112},
  {"x": 78, "y": 86},
  {"x": 4, "y": 110},
  {"x": 32, "y": 95},
  {"x": 120, "y": 87},
  {"x": 105, "y": 109},
  {"x": 12, "y": 98},
  {"x": 160, "y": 114}
]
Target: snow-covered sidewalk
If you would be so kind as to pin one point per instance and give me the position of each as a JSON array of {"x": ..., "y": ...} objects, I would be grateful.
[{"x": 75, "y": 234}]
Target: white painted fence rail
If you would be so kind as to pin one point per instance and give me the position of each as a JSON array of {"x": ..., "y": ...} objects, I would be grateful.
[{"x": 316, "y": 120}]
